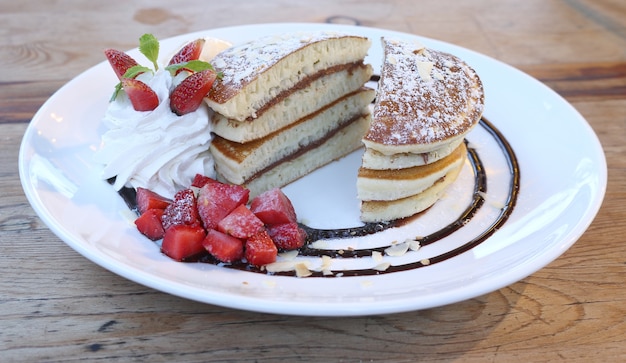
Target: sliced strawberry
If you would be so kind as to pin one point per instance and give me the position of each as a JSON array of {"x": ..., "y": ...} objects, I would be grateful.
[
  {"x": 120, "y": 61},
  {"x": 149, "y": 224},
  {"x": 182, "y": 211},
  {"x": 147, "y": 199},
  {"x": 216, "y": 200},
  {"x": 223, "y": 247},
  {"x": 190, "y": 51},
  {"x": 273, "y": 207},
  {"x": 260, "y": 249},
  {"x": 183, "y": 241},
  {"x": 142, "y": 97},
  {"x": 201, "y": 180},
  {"x": 240, "y": 223},
  {"x": 287, "y": 236},
  {"x": 188, "y": 95}
]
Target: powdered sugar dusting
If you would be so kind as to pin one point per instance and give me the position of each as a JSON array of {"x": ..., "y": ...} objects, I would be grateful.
[
  {"x": 241, "y": 64},
  {"x": 424, "y": 96}
]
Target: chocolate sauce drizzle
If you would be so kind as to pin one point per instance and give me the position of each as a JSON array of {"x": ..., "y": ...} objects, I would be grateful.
[
  {"x": 314, "y": 234},
  {"x": 480, "y": 188}
]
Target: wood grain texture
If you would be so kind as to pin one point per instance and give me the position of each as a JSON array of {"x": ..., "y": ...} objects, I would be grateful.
[{"x": 55, "y": 305}]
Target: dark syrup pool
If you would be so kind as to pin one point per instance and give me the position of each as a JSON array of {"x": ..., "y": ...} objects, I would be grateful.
[{"x": 314, "y": 234}]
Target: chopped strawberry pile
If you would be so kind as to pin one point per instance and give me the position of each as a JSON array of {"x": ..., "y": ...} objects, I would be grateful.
[{"x": 216, "y": 220}]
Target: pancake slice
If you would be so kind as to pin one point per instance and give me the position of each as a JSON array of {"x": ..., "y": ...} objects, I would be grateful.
[
  {"x": 426, "y": 103},
  {"x": 238, "y": 162},
  {"x": 339, "y": 144},
  {"x": 383, "y": 210},
  {"x": 425, "y": 100},
  {"x": 387, "y": 185},
  {"x": 288, "y": 104},
  {"x": 373, "y": 159},
  {"x": 295, "y": 105},
  {"x": 257, "y": 72}
]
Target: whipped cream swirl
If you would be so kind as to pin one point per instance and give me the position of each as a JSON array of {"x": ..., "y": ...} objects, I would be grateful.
[{"x": 156, "y": 150}]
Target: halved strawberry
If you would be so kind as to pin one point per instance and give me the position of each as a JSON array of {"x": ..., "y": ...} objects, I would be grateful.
[
  {"x": 287, "y": 236},
  {"x": 183, "y": 241},
  {"x": 240, "y": 223},
  {"x": 201, "y": 180},
  {"x": 188, "y": 95},
  {"x": 223, "y": 247},
  {"x": 142, "y": 97},
  {"x": 149, "y": 224},
  {"x": 120, "y": 61},
  {"x": 273, "y": 207},
  {"x": 216, "y": 200},
  {"x": 190, "y": 51},
  {"x": 260, "y": 249},
  {"x": 147, "y": 199},
  {"x": 182, "y": 211}
]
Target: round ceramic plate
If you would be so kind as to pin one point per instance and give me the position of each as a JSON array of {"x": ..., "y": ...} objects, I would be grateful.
[{"x": 560, "y": 165}]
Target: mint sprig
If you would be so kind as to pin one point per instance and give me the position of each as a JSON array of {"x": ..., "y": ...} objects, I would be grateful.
[
  {"x": 191, "y": 66},
  {"x": 134, "y": 71},
  {"x": 116, "y": 91},
  {"x": 149, "y": 47}
]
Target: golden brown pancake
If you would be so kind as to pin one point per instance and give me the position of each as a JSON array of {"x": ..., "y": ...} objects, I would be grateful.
[{"x": 400, "y": 183}]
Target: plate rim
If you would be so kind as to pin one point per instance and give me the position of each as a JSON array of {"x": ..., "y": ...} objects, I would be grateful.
[{"x": 343, "y": 309}]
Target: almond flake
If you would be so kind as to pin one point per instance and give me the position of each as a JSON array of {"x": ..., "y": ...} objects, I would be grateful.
[
  {"x": 397, "y": 249},
  {"x": 280, "y": 266},
  {"x": 382, "y": 266},
  {"x": 414, "y": 245},
  {"x": 302, "y": 270},
  {"x": 289, "y": 255},
  {"x": 424, "y": 69},
  {"x": 377, "y": 256}
]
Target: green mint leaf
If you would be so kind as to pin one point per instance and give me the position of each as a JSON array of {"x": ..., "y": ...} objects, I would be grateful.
[
  {"x": 192, "y": 66},
  {"x": 118, "y": 88},
  {"x": 149, "y": 46},
  {"x": 134, "y": 71}
]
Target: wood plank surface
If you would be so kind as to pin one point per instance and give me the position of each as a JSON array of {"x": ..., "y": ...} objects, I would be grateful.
[{"x": 56, "y": 305}]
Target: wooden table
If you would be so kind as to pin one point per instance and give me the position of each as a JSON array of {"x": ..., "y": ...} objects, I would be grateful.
[{"x": 56, "y": 305}]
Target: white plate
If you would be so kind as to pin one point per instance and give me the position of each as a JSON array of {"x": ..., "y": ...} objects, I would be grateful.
[{"x": 563, "y": 181}]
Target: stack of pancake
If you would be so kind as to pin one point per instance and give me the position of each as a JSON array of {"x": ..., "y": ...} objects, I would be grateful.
[
  {"x": 427, "y": 102},
  {"x": 288, "y": 104}
]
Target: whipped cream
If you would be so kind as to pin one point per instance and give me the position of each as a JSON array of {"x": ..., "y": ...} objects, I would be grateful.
[{"x": 157, "y": 150}]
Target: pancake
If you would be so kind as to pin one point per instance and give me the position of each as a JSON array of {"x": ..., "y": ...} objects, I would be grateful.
[
  {"x": 260, "y": 71},
  {"x": 387, "y": 185},
  {"x": 294, "y": 106},
  {"x": 338, "y": 144},
  {"x": 373, "y": 159},
  {"x": 239, "y": 162},
  {"x": 383, "y": 210},
  {"x": 426, "y": 103},
  {"x": 425, "y": 100},
  {"x": 287, "y": 105}
]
